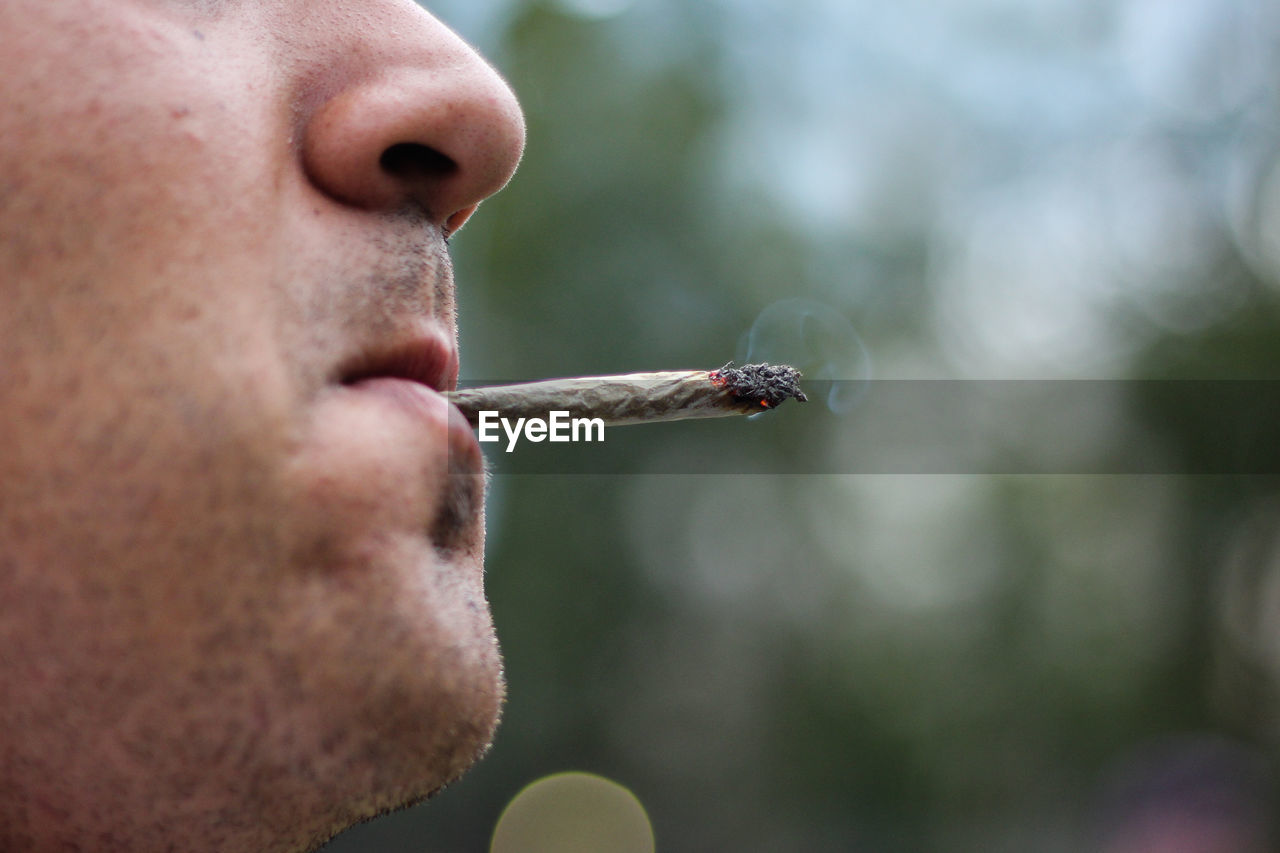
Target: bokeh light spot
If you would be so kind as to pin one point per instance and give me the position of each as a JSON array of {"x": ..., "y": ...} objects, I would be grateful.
[{"x": 573, "y": 813}]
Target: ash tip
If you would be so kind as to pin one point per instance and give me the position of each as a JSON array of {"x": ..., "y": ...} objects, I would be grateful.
[{"x": 770, "y": 385}]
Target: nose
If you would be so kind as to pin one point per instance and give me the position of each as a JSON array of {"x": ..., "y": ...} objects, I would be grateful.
[{"x": 432, "y": 126}]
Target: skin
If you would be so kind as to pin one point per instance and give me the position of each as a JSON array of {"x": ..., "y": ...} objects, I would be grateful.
[{"x": 241, "y": 594}]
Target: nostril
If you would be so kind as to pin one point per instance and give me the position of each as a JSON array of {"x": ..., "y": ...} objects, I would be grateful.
[{"x": 411, "y": 161}]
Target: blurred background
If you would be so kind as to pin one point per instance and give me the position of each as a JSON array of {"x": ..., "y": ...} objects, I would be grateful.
[{"x": 955, "y": 623}]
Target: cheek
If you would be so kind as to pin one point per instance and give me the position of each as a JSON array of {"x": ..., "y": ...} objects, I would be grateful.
[{"x": 131, "y": 146}]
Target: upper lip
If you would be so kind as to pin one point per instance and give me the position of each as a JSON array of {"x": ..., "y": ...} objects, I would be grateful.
[{"x": 427, "y": 359}]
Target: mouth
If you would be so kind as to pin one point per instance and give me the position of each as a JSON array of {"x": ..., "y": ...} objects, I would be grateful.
[
  {"x": 425, "y": 359},
  {"x": 412, "y": 375}
]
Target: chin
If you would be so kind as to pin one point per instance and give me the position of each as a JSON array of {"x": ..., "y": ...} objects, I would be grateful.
[
  {"x": 404, "y": 744},
  {"x": 432, "y": 740},
  {"x": 438, "y": 731},
  {"x": 401, "y": 692},
  {"x": 426, "y": 726}
]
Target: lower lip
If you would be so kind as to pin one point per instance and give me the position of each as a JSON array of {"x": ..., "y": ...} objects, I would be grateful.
[{"x": 465, "y": 456}]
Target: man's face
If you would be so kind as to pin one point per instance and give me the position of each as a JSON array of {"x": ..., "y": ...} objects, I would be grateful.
[{"x": 240, "y": 568}]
